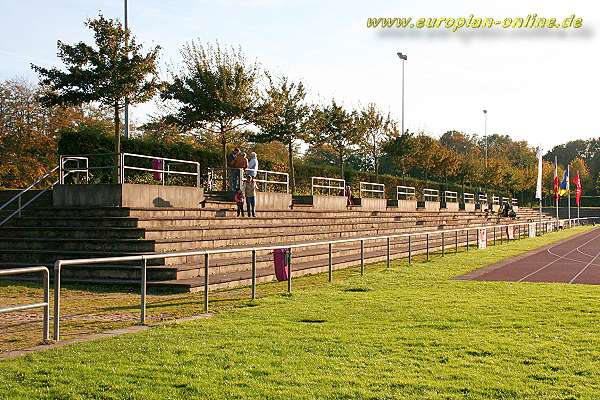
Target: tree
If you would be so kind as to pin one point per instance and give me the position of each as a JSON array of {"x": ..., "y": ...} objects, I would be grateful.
[
  {"x": 338, "y": 128},
  {"x": 399, "y": 150},
  {"x": 376, "y": 130},
  {"x": 284, "y": 117},
  {"x": 113, "y": 71},
  {"x": 215, "y": 90},
  {"x": 425, "y": 151}
]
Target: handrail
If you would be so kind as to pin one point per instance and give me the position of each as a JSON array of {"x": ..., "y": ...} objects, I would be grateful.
[
  {"x": 429, "y": 194},
  {"x": 408, "y": 192},
  {"x": 328, "y": 186},
  {"x": 483, "y": 198},
  {"x": 65, "y": 159},
  {"x": 58, "y": 265},
  {"x": 266, "y": 181},
  {"x": 45, "y": 304},
  {"x": 378, "y": 188},
  {"x": 469, "y": 198},
  {"x": 514, "y": 202},
  {"x": 495, "y": 200},
  {"x": 162, "y": 170},
  {"x": 450, "y": 197},
  {"x": 18, "y": 195}
]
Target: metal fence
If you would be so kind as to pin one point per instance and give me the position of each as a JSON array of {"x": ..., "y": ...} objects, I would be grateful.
[
  {"x": 431, "y": 195},
  {"x": 468, "y": 198},
  {"x": 495, "y": 200},
  {"x": 450, "y": 197},
  {"x": 45, "y": 304},
  {"x": 514, "y": 202},
  {"x": 322, "y": 185},
  {"x": 483, "y": 199},
  {"x": 161, "y": 167},
  {"x": 428, "y": 237},
  {"x": 406, "y": 193},
  {"x": 368, "y": 189}
]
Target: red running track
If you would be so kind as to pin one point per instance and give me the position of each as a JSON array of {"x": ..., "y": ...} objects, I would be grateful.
[{"x": 576, "y": 260}]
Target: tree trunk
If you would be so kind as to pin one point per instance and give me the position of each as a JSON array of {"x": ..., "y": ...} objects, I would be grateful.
[
  {"x": 291, "y": 168},
  {"x": 117, "y": 177},
  {"x": 225, "y": 166},
  {"x": 342, "y": 165}
]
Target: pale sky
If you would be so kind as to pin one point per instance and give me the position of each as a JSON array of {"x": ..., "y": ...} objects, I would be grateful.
[{"x": 539, "y": 85}]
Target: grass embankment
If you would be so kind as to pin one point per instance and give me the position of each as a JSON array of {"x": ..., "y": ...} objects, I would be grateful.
[{"x": 407, "y": 332}]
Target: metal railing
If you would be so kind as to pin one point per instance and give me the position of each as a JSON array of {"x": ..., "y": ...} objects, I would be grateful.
[
  {"x": 269, "y": 181},
  {"x": 506, "y": 200},
  {"x": 162, "y": 167},
  {"x": 262, "y": 178},
  {"x": 329, "y": 184},
  {"x": 143, "y": 259},
  {"x": 45, "y": 304},
  {"x": 406, "y": 193},
  {"x": 369, "y": 189},
  {"x": 482, "y": 198},
  {"x": 450, "y": 197},
  {"x": 64, "y": 170},
  {"x": 468, "y": 198},
  {"x": 431, "y": 195},
  {"x": 514, "y": 202},
  {"x": 495, "y": 200}
]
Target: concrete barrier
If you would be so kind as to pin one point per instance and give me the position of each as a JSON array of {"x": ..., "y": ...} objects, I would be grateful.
[
  {"x": 403, "y": 205},
  {"x": 267, "y": 201},
  {"x": 370, "y": 204},
  {"x": 429, "y": 205},
  {"x": 449, "y": 206},
  {"x": 127, "y": 195},
  {"x": 468, "y": 206},
  {"x": 319, "y": 202}
]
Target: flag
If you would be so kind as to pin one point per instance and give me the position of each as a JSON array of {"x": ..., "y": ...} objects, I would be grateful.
[
  {"x": 538, "y": 190},
  {"x": 578, "y": 189},
  {"x": 564, "y": 184}
]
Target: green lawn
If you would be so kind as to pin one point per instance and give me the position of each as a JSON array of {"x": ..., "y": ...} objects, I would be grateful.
[{"x": 407, "y": 332}]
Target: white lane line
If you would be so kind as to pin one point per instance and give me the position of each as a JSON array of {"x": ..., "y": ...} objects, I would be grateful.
[
  {"x": 558, "y": 259},
  {"x": 584, "y": 268},
  {"x": 572, "y": 259}
]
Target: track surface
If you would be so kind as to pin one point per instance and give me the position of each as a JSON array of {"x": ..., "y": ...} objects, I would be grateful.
[{"x": 576, "y": 260}]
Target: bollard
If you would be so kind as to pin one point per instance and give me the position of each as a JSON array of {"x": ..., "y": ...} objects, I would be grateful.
[
  {"x": 56, "y": 327},
  {"x": 409, "y": 251}
]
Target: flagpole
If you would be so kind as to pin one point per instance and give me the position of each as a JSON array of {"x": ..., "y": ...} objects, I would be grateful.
[
  {"x": 556, "y": 177},
  {"x": 569, "y": 193}
]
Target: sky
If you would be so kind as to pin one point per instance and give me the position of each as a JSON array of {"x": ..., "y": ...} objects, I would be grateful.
[{"x": 537, "y": 85}]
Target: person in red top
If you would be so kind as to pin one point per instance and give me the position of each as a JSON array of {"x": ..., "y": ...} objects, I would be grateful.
[{"x": 238, "y": 197}]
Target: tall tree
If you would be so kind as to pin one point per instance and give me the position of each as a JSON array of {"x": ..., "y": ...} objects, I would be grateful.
[
  {"x": 215, "y": 90},
  {"x": 338, "y": 128},
  {"x": 113, "y": 70},
  {"x": 376, "y": 132},
  {"x": 284, "y": 117}
]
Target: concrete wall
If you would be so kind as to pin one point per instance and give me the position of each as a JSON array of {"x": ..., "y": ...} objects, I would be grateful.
[
  {"x": 370, "y": 204},
  {"x": 403, "y": 205},
  {"x": 469, "y": 206},
  {"x": 127, "y": 195},
  {"x": 432, "y": 205},
  {"x": 449, "y": 206},
  {"x": 322, "y": 202},
  {"x": 273, "y": 201}
]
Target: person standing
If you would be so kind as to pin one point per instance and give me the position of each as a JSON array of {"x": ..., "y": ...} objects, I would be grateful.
[
  {"x": 235, "y": 173},
  {"x": 239, "y": 201},
  {"x": 249, "y": 190},
  {"x": 239, "y": 164},
  {"x": 252, "y": 165}
]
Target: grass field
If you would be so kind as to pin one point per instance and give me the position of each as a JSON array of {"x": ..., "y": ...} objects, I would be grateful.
[{"x": 406, "y": 332}]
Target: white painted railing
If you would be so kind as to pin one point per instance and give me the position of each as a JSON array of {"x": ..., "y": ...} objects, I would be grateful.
[
  {"x": 329, "y": 184},
  {"x": 431, "y": 195},
  {"x": 406, "y": 193},
  {"x": 369, "y": 189}
]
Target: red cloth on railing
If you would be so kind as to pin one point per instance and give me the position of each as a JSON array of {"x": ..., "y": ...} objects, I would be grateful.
[{"x": 157, "y": 164}]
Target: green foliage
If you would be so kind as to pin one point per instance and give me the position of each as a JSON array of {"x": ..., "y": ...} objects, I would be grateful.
[
  {"x": 215, "y": 90},
  {"x": 112, "y": 71}
]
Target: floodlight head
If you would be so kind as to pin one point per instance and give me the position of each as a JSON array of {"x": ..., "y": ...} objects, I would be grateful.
[
  {"x": 402, "y": 56},
  {"x": 485, "y": 111}
]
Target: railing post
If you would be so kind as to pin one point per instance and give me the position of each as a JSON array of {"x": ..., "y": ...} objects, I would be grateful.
[
  {"x": 197, "y": 174},
  {"x": 467, "y": 239},
  {"x": 330, "y": 269},
  {"x": 388, "y": 252},
  {"x": 494, "y": 235},
  {"x": 253, "y": 274},
  {"x": 362, "y": 257},
  {"x": 46, "y": 323},
  {"x": 19, "y": 205},
  {"x": 456, "y": 241},
  {"x": 206, "y": 266},
  {"x": 442, "y": 244},
  {"x": 501, "y": 229},
  {"x": 56, "y": 327},
  {"x": 290, "y": 270},
  {"x": 427, "y": 245},
  {"x": 409, "y": 250},
  {"x": 143, "y": 291}
]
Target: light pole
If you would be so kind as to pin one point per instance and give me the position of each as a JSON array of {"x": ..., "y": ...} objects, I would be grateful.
[
  {"x": 486, "y": 145},
  {"x": 403, "y": 57},
  {"x": 126, "y": 113}
]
